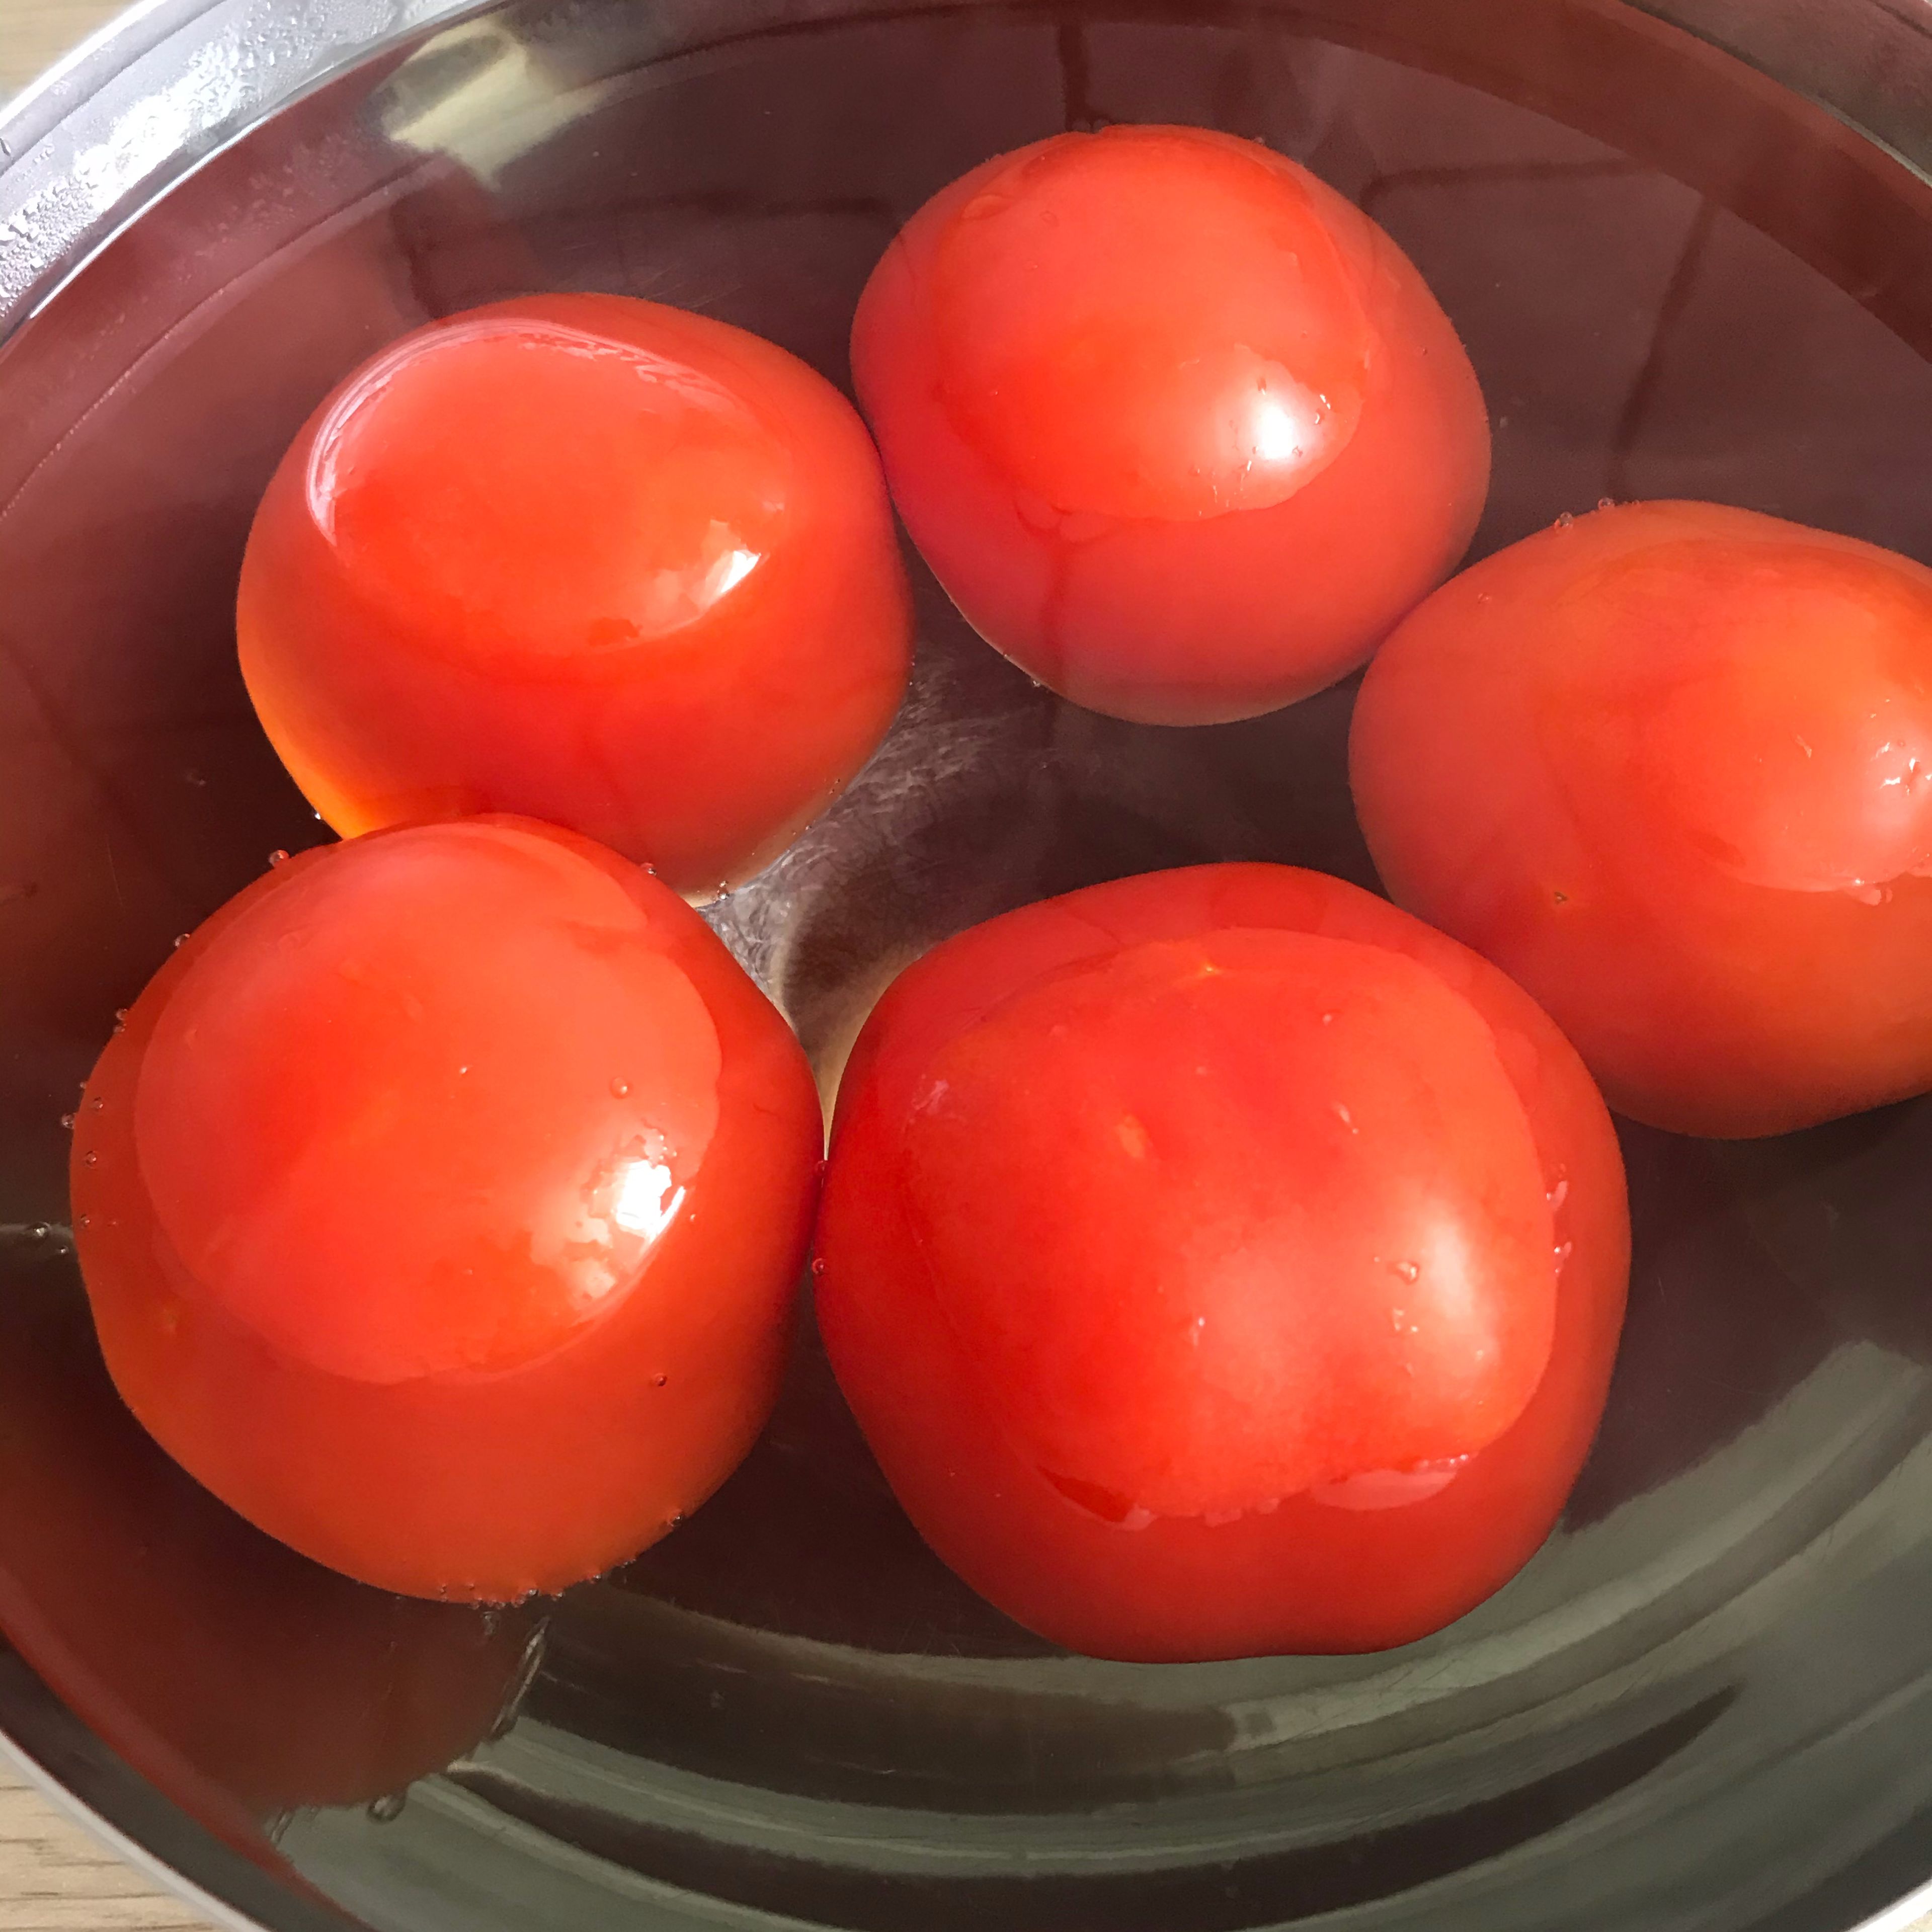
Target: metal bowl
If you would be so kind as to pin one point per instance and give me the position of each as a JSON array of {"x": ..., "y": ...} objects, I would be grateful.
[{"x": 1687, "y": 246}]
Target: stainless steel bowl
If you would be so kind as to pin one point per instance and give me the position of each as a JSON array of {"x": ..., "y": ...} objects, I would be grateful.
[{"x": 1690, "y": 250}]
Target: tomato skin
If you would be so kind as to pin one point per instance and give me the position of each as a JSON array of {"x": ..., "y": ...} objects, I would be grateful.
[
  {"x": 1365, "y": 1556},
  {"x": 586, "y": 558},
  {"x": 576, "y": 1245},
  {"x": 1066, "y": 357},
  {"x": 1664, "y": 765}
]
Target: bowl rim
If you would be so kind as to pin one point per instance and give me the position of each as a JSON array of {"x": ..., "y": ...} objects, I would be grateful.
[
  {"x": 146, "y": 99},
  {"x": 85, "y": 107}
]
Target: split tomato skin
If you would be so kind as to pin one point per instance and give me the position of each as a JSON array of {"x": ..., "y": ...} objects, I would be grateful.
[
  {"x": 1181, "y": 431},
  {"x": 590, "y": 559},
  {"x": 1669, "y": 765},
  {"x": 442, "y": 1205},
  {"x": 1373, "y": 1427}
]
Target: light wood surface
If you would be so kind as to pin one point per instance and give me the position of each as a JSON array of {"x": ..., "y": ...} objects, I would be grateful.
[
  {"x": 35, "y": 33},
  {"x": 54, "y": 1877}
]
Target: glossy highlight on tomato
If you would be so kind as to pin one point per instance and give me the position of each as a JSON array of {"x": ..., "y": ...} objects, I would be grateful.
[
  {"x": 586, "y": 558},
  {"x": 1669, "y": 765},
  {"x": 1221, "y": 1262},
  {"x": 442, "y": 1204},
  {"x": 1181, "y": 431}
]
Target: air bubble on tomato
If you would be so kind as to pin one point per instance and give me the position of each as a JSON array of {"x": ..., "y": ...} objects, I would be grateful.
[
  {"x": 1222, "y": 1262},
  {"x": 1672, "y": 770},
  {"x": 591, "y": 559},
  {"x": 1181, "y": 431},
  {"x": 419, "y": 1162}
]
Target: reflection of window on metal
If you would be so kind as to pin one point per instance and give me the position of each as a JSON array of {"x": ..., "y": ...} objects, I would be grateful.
[{"x": 479, "y": 95}]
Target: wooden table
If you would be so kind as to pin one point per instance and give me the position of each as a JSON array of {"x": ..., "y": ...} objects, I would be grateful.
[{"x": 34, "y": 32}]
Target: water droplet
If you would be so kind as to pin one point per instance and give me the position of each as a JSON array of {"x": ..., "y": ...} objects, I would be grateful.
[
  {"x": 84, "y": 1221},
  {"x": 676, "y": 1517},
  {"x": 1408, "y": 1270},
  {"x": 658, "y": 1382},
  {"x": 1566, "y": 521},
  {"x": 386, "y": 1810},
  {"x": 621, "y": 1089},
  {"x": 1557, "y": 1195},
  {"x": 1347, "y": 1119},
  {"x": 1564, "y": 1249},
  {"x": 278, "y": 857},
  {"x": 1606, "y": 503},
  {"x": 89, "y": 1159},
  {"x": 462, "y": 1069},
  {"x": 818, "y": 1264},
  {"x": 650, "y": 871},
  {"x": 181, "y": 940},
  {"x": 67, "y": 1121},
  {"x": 97, "y": 1104},
  {"x": 1328, "y": 1019}
]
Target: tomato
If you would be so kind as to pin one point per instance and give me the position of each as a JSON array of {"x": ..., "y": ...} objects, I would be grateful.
[
  {"x": 1221, "y": 1262},
  {"x": 442, "y": 1203},
  {"x": 1669, "y": 765},
  {"x": 241, "y": 1680},
  {"x": 611, "y": 565},
  {"x": 1181, "y": 431}
]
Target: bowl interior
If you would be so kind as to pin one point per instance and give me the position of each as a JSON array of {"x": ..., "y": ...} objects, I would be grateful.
[{"x": 1702, "y": 1706}]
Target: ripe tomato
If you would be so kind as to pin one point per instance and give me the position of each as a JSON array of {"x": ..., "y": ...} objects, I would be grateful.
[
  {"x": 1221, "y": 1262},
  {"x": 1183, "y": 432},
  {"x": 617, "y": 566},
  {"x": 239, "y": 1679},
  {"x": 442, "y": 1203},
  {"x": 1669, "y": 765}
]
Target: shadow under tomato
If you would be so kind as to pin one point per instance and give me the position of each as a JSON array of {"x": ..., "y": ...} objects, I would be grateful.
[
  {"x": 1753, "y": 1260},
  {"x": 241, "y": 1680},
  {"x": 780, "y": 1546},
  {"x": 1842, "y": 1208}
]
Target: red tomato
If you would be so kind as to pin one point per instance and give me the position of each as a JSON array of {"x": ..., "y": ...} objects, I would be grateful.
[
  {"x": 1669, "y": 765},
  {"x": 1222, "y": 1262},
  {"x": 442, "y": 1203},
  {"x": 617, "y": 566},
  {"x": 1182, "y": 432}
]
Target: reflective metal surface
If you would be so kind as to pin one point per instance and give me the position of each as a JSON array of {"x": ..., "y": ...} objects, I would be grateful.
[{"x": 1704, "y": 1705}]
